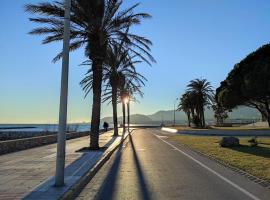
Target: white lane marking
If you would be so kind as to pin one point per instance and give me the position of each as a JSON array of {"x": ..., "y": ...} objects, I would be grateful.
[{"x": 211, "y": 170}]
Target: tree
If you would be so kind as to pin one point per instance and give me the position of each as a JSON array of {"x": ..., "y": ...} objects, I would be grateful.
[
  {"x": 220, "y": 113},
  {"x": 95, "y": 25},
  {"x": 202, "y": 94},
  {"x": 132, "y": 90},
  {"x": 128, "y": 87},
  {"x": 186, "y": 105},
  {"x": 118, "y": 64},
  {"x": 248, "y": 83}
]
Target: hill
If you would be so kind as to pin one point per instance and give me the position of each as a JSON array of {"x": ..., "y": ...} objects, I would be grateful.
[
  {"x": 242, "y": 112},
  {"x": 134, "y": 119}
]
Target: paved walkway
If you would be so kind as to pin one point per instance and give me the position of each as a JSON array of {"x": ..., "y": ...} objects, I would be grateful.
[{"x": 23, "y": 171}]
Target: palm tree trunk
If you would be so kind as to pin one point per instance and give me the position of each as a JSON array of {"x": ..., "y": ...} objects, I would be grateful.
[
  {"x": 199, "y": 114},
  {"x": 114, "y": 105},
  {"x": 95, "y": 121},
  {"x": 203, "y": 119},
  {"x": 188, "y": 115},
  {"x": 124, "y": 116},
  {"x": 128, "y": 114}
]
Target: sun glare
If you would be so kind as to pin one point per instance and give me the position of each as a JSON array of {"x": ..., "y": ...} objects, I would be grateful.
[{"x": 126, "y": 100}]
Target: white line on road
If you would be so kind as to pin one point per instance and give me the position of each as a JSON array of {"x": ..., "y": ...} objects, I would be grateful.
[{"x": 211, "y": 170}]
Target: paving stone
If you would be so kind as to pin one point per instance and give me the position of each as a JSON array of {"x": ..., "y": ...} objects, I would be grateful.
[{"x": 30, "y": 172}]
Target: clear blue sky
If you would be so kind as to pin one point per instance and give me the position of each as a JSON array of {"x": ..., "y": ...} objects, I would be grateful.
[{"x": 192, "y": 39}]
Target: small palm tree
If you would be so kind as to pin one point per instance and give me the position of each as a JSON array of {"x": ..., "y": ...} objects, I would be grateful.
[
  {"x": 203, "y": 95},
  {"x": 185, "y": 104},
  {"x": 95, "y": 25}
]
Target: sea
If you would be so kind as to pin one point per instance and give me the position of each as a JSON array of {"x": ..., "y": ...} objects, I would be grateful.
[
  {"x": 42, "y": 127},
  {"x": 52, "y": 127}
]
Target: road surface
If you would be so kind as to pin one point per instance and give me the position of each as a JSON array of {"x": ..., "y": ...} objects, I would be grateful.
[{"x": 149, "y": 166}]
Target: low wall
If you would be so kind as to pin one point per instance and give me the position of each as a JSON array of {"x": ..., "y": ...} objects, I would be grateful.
[
  {"x": 13, "y": 135},
  {"x": 27, "y": 143}
]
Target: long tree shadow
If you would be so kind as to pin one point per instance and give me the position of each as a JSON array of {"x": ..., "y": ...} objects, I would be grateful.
[
  {"x": 108, "y": 187},
  {"x": 257, "y": 151},
  {"x": 143, "y": 185},
  {"x": 74, "y": 171}
]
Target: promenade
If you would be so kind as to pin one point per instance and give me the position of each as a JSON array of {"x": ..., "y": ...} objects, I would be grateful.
[{"x": 23, "y": 173}]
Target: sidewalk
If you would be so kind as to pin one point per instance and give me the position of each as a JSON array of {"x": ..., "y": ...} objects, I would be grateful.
[{"x": 30, "y": 172}]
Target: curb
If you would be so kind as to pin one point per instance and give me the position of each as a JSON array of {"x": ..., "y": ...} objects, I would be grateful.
[{"x": 73, "y": 192}]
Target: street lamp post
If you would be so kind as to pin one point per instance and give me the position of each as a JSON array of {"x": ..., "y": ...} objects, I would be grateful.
[
  {"x": 128, "y": 111},
  {"x": 174, "y": 111},
  {"x": 61, "y": 137}
]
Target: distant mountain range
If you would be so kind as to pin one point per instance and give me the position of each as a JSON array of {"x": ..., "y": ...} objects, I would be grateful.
[{"x": 242, "y": 112}]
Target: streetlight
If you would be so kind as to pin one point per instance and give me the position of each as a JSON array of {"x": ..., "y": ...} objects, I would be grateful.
[
  {"x": 174, "y": 111},
  {"x": 127, "y": 102},
  {"x": 61, "y": 138}
]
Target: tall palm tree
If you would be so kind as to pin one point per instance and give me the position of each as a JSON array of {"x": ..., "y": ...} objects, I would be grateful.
[
  {"x": 129, "y": 86},
  {"x": 203, "y": 92},
  {"x": 120, "y": 66},
  {"x": 132, "y": 91},
  {"x": 95, "y": 25},
  {"x": 117, "y": 65}
]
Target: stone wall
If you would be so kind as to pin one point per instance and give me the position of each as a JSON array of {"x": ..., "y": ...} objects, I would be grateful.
[
  {"x": 26, "y": 143},
  {"x": 13, "y": 135}
]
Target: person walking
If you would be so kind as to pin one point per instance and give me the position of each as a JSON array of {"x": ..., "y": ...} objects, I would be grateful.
[{"x": 105, "y": 126}]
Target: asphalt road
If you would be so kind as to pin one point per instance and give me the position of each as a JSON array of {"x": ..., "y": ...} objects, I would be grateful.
[{"x": 149, "y": 166}]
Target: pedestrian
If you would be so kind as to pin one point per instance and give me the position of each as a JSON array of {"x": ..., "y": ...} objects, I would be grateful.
[{"x": 105, "y": 126}]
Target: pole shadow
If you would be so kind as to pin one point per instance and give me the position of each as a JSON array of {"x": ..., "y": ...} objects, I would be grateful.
[
  {"x": 143, "y": 183},
  {"x": 108, "y": 188}
]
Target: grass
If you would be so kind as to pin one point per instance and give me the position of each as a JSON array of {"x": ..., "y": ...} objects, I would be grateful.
[
  {"x": 240, "y": 128},
  {"x": 254, "y": 160},
  {"x": 236, "y": 128}
]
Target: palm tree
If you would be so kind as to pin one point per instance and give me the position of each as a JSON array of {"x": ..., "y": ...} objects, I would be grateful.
[
  {"x": 118, "y": 64},
  {"x": 129, "y": 86},
  {"x": 186, "y": 105},
  {"x": 132, "y": 91},
  {"x": 95, "y": 25},
  {"x": 203, "y": 94}
]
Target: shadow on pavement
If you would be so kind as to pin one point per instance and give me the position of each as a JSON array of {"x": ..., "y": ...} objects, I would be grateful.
[
  {"x": 73, "y": 172},
  {"x": 257, "y": 151},
  {"x": 108, "y": 187},
  {"x": 143, "y": 185}
]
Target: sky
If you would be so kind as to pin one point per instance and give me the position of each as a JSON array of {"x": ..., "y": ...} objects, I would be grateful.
[{"x": 191, "y": 39}]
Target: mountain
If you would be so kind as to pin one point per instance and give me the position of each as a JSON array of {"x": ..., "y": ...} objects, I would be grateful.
[
  {"x": 241, "y": 112},
  {"x": 134, "y": 119},
  {"x": 167, "y": 115}
]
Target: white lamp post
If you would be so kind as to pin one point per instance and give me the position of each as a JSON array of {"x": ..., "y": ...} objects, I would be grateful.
[{"x": 61, "y": 138}]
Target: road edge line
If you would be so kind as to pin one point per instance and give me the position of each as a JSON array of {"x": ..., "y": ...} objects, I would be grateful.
[{"x": 212, "y": 171}]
